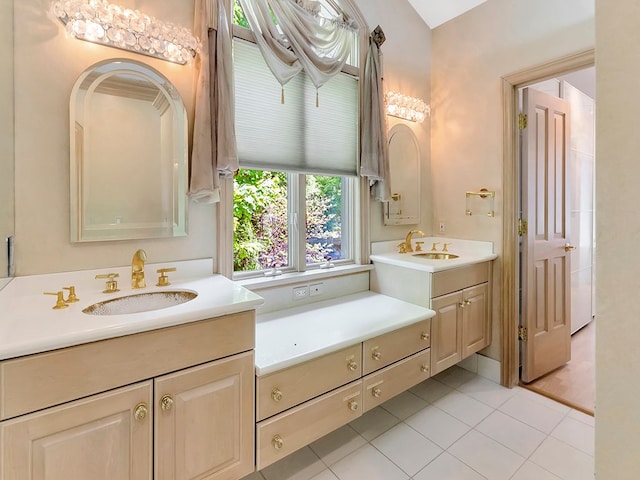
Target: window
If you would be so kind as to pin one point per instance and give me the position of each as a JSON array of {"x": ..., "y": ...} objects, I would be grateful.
[
  {"x": 291, "y": 222},
  {"x": 294, "y": 204}
]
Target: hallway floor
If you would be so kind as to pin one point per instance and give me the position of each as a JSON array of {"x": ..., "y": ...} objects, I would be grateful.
[
  {"x": 575, "y": 383},
  {"x": 454, "y": 426}
]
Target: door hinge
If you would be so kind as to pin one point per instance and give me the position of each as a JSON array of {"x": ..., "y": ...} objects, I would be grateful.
[
  {"x": 522, "y": 121},
  {"x": 523, "y": 227},
  {"x": 522, "y": 333}
]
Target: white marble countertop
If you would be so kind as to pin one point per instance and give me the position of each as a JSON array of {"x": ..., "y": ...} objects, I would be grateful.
[
  {"x": 28, "y": 324},
  {"x": 468, "y": 251},
  {"x": 288, "y": 337}
]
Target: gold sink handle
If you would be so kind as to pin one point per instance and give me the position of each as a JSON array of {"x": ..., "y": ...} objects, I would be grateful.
[
  {"x": 72, "y": 294},
  {"x": 112, "y": 285},
  {"x": 163, "y": 280},
  {"x": 60, "y": 303}
]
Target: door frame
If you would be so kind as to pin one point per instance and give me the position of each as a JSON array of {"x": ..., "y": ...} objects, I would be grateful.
[{"x": 510, "y": 350}]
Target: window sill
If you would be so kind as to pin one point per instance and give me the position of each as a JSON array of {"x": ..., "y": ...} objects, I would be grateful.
[{"x": 256, "y": 283}]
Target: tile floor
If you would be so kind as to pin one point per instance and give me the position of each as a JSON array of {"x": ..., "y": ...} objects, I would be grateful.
[{"x": 454, "y": 426}]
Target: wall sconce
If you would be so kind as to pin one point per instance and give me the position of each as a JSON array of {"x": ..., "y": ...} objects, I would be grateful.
[
  {"x": 101, "y": 22},
  {"x": 408, "y": 108}
]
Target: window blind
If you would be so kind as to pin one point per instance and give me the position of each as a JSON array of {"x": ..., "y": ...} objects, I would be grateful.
[{"x": 295, "y": 136}]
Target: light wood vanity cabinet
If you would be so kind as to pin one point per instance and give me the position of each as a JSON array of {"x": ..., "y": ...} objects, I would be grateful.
[
  {"x": 461, "y": 326},
  {"x": 291, "y": 386},
  {"x": 386, "y": 349},
  {"x": 310, "y": 399},
  {"x": 188, "y": 413},
  {"x": 102, "y": 437}
]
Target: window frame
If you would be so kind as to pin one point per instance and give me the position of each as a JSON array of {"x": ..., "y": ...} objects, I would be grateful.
[
  {"x": 355, "y": 210},
  {"x": 296, "y": 226}
]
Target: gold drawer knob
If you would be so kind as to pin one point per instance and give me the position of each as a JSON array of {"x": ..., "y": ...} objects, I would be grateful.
[
  {"x": 277, "y": 441},
  {"x": 376, "y": 392},
  {"x": 166, "y": 403},
  {"x": 424, "y": 336},
  {"x": 353, "y": 405},
  {"x": 376, "y": 355},
  {"x": 424, "y": 368},
  {"x": 276, "y": 394},
  {"x": 140, "y": 411},
  {"x": 352, "y": 365}
]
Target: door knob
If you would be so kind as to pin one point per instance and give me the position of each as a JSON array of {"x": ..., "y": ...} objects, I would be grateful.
[{"x": 568, "y": 247}]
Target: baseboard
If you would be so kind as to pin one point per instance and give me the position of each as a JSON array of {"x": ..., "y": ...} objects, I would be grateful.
[{"x": 484, "y": 366}]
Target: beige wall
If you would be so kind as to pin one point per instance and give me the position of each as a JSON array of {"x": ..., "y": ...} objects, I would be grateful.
[
  {"x": 47, "y": 64},
  {"x": 470, "y": 54},
  {"x": 46, "y": 67},
  {"x": 618, "y": 237},
  {"x": 6, "y": 129},
  {"x": 407, "y": 69}
]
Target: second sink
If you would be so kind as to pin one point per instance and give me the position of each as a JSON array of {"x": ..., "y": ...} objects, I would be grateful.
[{"x": 436, "y": 256}]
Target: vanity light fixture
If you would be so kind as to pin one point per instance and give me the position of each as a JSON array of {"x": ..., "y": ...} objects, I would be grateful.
[
  {"x": 406, "y": 107},
  {"x": 102, "y": 22}
]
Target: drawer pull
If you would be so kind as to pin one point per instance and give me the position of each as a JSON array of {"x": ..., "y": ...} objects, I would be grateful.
[
  {"x": 353, "y": 405},
  {"x": 166, "y": 403},
  {"x": 140, "y": 411},
  {"x": 424, "y": 336},
  {"x": 352, "y": 365},
  {"x": 376, "y": 392},
  {"x": 424, "y": 368},
  {"x": 276, "y": 394},
  {"x": 277, "y": 441},
  {"x": 376, "y": 355}
]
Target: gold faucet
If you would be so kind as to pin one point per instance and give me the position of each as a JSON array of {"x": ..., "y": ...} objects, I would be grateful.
[
  {"x": 407, "y": 241},
  {"x": 137, "y": 269}
]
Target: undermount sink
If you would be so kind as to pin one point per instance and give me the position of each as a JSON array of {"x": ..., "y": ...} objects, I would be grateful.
[
  {"x": 436, "y": 256},
  {"x": 140, "y": 302}
]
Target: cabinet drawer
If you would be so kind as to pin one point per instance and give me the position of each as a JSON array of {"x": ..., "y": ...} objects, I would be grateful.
[
  {"x": 283, "y": 434},
  {"x": 42, "y": 380},
  {"x": 287, "y": 388},
  {"x": 448, "y": 281},
  {"x": 389, "y": 382},
  {"x": 381, "y": 351}
]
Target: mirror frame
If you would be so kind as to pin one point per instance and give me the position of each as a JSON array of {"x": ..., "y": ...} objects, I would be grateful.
[
  {"x": 395, "y": 164},
  {"x": 175, "y": 221}
]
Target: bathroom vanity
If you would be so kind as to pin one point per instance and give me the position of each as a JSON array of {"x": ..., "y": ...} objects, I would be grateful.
[
  {"x": 138, "y": 396},
  {"x": 456, "y": 285}
]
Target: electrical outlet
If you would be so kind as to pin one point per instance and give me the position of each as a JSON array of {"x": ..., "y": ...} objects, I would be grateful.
[
  {"x": 442, "y": 228},
  {"x": 300, "y": 292},
  {"x": 316, "y": 289}
]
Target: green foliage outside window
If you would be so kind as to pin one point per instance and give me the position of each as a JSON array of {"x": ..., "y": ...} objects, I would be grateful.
[{"x": 260, "y": 238}]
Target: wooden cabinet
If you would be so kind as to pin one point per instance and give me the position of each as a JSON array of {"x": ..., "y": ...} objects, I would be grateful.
[
  {"x": 461, "y": 326},
  {"x": 378, "y": 352},
  {"x": 102, "y": 437},
  {"x": 190, "y": 414},
  {"x": 385, "y": 384},
  {"x": 285, "y": 433},
  {"x": 300, "y": 404},
  {"x": 204, "y": 421},
  {"x": 289, "y": 387}
]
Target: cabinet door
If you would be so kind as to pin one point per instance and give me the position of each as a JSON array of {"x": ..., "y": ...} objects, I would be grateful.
[
  {"x": 475, "y": 319},
  {"x": 204, "y": 424},
  {"x": 446, "y": 332},
  {"x": 103, "y": 437}
]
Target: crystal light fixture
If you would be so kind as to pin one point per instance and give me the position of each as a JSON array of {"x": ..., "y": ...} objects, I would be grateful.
[
  {"x": 101, "y": 22},
  {"x": 408, "y": 108}
]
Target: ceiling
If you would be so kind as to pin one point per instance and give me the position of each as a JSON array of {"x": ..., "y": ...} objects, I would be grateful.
[{"x": 437, "y": 12}]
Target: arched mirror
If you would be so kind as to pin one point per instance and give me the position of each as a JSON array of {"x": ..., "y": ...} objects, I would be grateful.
[
  {"x": 404, "y": 168},
  {"x": 128, "y": 154}
]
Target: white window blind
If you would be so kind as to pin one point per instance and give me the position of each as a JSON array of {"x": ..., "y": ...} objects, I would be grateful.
[{"x": 295, "y": 136}]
